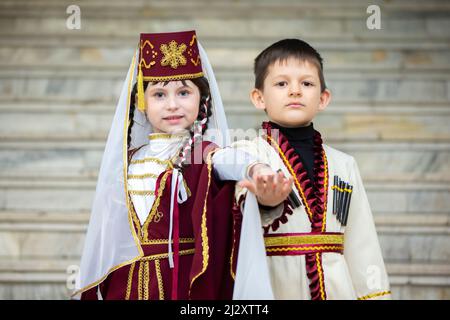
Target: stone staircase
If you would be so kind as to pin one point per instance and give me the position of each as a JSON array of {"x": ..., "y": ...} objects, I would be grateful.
[{"x": 59, "y": 87}]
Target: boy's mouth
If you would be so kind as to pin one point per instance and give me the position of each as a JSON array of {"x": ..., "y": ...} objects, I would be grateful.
[{"x": 295, "y": 105}]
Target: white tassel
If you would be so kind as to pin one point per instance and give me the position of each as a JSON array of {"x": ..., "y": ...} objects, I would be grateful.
[{"x": 174, "y": 182}]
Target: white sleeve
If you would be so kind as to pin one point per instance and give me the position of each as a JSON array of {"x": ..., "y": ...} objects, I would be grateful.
[
  {"x": 232, "y": 164},
  {"x": 362, "y": 250}
]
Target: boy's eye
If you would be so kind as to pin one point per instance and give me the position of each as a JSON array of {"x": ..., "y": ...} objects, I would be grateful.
[
  {"x": 281, "y": 84},
  {"x": 308, "y": 84}
]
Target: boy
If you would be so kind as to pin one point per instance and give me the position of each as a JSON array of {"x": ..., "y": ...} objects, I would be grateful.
[{"x": 321, "y": 243}]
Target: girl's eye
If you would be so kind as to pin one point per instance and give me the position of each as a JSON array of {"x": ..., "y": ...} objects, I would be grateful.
[
  {"x": 281, "y": 84},
  {"x": 184, "y": 93},
  {"x": 158, "y": 94}
]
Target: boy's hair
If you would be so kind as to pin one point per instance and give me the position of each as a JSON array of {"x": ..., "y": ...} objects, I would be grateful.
[{"x": 283, "y": 50}]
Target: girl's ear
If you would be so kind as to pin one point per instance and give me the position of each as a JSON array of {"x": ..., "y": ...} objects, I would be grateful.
[
  {"x": 256, "y": 96},
  {"x": 325, "y": 98}
]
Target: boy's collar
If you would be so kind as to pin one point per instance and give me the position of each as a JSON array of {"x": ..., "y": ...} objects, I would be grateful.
[{"x": 297, "y": 133}]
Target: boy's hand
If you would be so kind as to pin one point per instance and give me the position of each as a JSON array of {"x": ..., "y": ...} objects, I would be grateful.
[{"x": 270, "y": 187}]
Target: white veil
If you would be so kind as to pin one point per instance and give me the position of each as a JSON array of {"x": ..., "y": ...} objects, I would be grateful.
[{"x": 111, "y": 241}]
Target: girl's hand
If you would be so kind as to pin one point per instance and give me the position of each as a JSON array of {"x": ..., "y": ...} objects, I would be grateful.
[{"x": 270, "y": 187}]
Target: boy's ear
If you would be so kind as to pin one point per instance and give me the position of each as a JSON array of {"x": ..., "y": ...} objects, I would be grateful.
[
  {"x": 325, "y": 98},
  {"x": 257, "y": 99}
]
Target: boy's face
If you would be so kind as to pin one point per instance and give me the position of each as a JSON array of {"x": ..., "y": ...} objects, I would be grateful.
[
  {"x": 173, "y": 107},
  {"x": 291, "y": 94}
]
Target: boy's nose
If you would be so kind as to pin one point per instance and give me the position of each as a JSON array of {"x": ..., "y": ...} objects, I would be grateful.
[{"x": 295, "y": 92}]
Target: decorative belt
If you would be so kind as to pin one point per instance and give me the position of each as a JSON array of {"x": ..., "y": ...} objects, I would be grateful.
[
  {"x": 295, "y": 244},
  {"x": 157, "y": 248}
]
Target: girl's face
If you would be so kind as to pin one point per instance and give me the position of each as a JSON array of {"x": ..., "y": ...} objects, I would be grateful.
[{"x": 173, "y": 107}]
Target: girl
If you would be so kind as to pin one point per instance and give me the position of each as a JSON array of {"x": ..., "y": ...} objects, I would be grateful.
[{"x": 162, "y": 226}]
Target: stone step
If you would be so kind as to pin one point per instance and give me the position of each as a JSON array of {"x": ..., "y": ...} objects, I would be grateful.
[
  {"x": 34, "y": 220},
  {"x": 42, "y": 235},
  {"x": 361, "y": 87},
  {"x": 77, "y": 194},
  {"x": 377, "y": 161},
  {"x": 245, "y": 8},
  {"x": 18, "y": 122},
  {"x": 324, "y": 42},
  {"x": 116, "y": 58},
  {"x": 241, "y": 24},
  {"x": 51, "y": 279}
]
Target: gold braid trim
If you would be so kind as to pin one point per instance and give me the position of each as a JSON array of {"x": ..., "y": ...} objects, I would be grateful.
[
  {"x": 373, "y": 295},
  {"x": 146, "y": 281},
  {"x": 154, "y": 136},
  {"x": 160, "y": 281},
  {"x": 325, "y": 191},
  {"x": 130, "y": 281},
  {"x": 205, "y": 245},
  {"x": 155, "y": 160},
  {"x": 306, "y": 239},
  {"x": 136, "y": 221},
  {"x": 166, "y": 241},
  {"x": 174, "y": 77},
  {"x": 142, "y": 176},
  {"x": 166, "y": 255},
  {"x": 140, "y": 281},
  {"x": 142, "y": 192},
  {"x": 150, "y": 217},
  {"x": 313, "y": 248},
  {"x": 319, "y": 269}
]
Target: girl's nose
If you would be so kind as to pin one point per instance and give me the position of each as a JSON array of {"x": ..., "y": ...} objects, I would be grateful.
[{"x": 172, "y": 104}]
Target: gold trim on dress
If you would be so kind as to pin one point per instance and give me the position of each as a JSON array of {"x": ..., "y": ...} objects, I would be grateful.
[
  {"x": 166, "y": 241},
  {"x": 130, "y": 281},
  {"x": 373, "y": 295},
  {"x": 166, "y": 136},
  {"x": 142, "y": 192},
  {"x": 140, "y": 276},
  {"x": 205, "y": 245},
  {"x": 155, "y": 206},
  {"x": 143, "y": 176},
  {"x": 150, "y": 159},
  {"x": 146, "y": 280},
  {"x": 166, "y": 255},
  {"x": 160, "y": 280}
]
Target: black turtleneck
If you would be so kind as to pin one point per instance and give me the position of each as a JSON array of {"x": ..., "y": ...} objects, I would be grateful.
[{"x": 302, "y": 140}]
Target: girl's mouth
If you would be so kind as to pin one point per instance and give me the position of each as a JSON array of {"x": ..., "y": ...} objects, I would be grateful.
[{"x": 173, "y": 119}]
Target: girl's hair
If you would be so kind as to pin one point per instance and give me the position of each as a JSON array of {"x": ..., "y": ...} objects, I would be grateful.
[{"x": 200, "y": 124}]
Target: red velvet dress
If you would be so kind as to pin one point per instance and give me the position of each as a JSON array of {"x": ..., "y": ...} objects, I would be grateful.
[{"x": 207, "y": 229}]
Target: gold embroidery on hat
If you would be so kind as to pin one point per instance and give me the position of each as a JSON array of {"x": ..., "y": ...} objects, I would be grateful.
[
  {"x": 195, "y": 63},
  {"x": 173, "y": 54},
  {"x": 194, "y": 37},
  {"x": 154, "y": 53}
]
